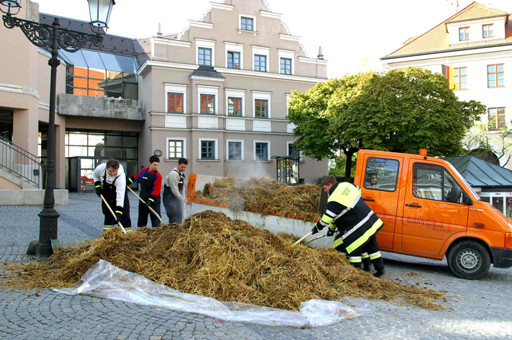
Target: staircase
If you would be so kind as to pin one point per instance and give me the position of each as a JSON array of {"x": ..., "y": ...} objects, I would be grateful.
[{"x": 21, "y": 177}]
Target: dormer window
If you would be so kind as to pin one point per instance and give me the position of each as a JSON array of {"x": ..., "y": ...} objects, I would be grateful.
[
  {"x": 463, "y": 33},
  {"x": 247, "y": 24},
  {"x": 487, "y": 31}
]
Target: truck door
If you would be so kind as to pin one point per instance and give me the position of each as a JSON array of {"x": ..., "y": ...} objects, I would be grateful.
[
  {"x": 433, "y": 209},
  {"x": 381, "y": 192}
]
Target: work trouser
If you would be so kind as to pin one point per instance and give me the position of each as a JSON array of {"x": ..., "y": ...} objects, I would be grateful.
[
  {"x": 144, "y": 211},
  {"x": 173, "y": 206},
  {"x": 110, "y": 197},
  {"x": 369, "y": 250}
]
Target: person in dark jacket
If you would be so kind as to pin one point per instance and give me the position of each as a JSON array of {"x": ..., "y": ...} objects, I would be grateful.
[
  {"x": 150, "y": 181},
  {"x": 354, "y": 223},
  {"x": 110, "y": 182},
  {"x": 174, "y": 198}
]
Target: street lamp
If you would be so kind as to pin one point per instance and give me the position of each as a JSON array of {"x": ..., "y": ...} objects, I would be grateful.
[{"x": 53, "y": 38}]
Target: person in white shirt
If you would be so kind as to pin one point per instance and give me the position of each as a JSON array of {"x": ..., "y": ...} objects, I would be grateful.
[
  {"x": 173, "y": 197},
  {"x": 110, "y": 181}
]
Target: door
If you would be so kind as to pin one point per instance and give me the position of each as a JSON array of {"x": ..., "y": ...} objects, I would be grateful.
[
  {"x": 380, "y": 191},
  {"x": 433, "y": 209}
]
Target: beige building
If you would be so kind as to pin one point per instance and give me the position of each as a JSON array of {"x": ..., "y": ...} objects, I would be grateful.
[{"x": 215, "y": 93}]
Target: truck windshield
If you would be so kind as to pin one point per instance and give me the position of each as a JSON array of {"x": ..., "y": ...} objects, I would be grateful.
[{"x": 463, "y": 180}]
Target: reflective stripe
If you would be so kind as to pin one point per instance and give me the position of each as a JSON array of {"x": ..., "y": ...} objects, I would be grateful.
[
  {"x": 360, "y": 241},
  {"x": 98, "y": 186},
  {"x": 337, "y": 242},
  {"x": 119, "y": 212},
  {"x": 375, "y": 255},
  {"x": 324, "y": 224},
  {"x": 365, "y": 255},
  {"x": 330, "y": 213},
  {"x": 354, "y": 228},
  {"x": 354, "y": 259}
]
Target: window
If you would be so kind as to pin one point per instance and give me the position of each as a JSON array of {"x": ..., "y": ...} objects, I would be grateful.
[
  {"x": 207, "y": 149},
  {"x": 261, "y": 151},
  {"x": 496, "y": 116},
  {"x": 260, "y": 63},
  {"x": 175, "y": 102},
  {"x": 433, "y": 182},
  {"x": 463, "y": 33},
  {"x": 487, "y": 31},
  {"x": 247, "y": 23},
  {"x": 495, "y": 75},
  {"x": 175, "y": 148},
  {"x": 233, "y": 59},
  {"x": 460, "y": 78},
  {"x": 286, "y": 66},
  {"x": 235, "y": 151},
  {"x": 207, "y": 104},
  {"x": 234, "y": 106},
  {"x": 261, "y": 108},
  {"x": 381, "y": 174},
  {"x": 292, "y": 151},
  {"x": 205, "y": 56}
]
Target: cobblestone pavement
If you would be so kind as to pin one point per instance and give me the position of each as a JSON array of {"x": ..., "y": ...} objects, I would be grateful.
[{"x": 475, "y": 309}]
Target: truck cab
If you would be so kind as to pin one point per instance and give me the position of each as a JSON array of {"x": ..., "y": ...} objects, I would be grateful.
[{"x": 429, "y": 210}]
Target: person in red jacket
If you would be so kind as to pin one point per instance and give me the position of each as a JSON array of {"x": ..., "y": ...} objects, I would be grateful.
[{"x": 150, "y": 181}]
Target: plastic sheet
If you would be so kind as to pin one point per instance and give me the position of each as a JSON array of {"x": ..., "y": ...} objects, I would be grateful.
[{"x": 105, "y": 280}]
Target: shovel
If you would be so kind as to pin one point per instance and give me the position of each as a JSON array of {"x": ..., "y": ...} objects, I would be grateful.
[
  {"x": 302, "y": 239},
  {"x": 150, "y": 209},
  {"x": 314, "y": 239},
  {"x": 113, "y": 213}
]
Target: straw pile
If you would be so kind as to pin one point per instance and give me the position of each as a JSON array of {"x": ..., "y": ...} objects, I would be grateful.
[
  {"x": 265, "y": 196},
  {"x": 229, "y": 260}
]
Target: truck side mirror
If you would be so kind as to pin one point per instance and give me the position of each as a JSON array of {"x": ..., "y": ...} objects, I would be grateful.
[{"x": 466, "y": 200}]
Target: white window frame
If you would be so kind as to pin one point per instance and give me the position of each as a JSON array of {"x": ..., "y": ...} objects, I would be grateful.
[
  {"x": 236, "y": 94},
  {"x": 288, "y": 151},
  {"x": 233, "y": 47},
  {"x": 205, "y": 44},
  {"x": 262, "y": 51},
  {"x": 184, "y": 140},
  {"x": 175, "y": 88},
  {"x": 288, "y": 55},
  {"x": 247, "y": 16},
  {"x": 210, "y": 90},
  {"x": 254, "y": 150},
  {"x": 227, "y": 150},
  {"x": 263, "y": 96},
  {"x": 216, "y": 148}
]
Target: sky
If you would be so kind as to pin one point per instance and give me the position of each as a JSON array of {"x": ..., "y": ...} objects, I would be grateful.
[{"x": 353, "y": 34}]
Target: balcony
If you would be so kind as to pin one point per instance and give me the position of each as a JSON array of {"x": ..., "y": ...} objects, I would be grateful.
[{"x": 99, "y": 107}]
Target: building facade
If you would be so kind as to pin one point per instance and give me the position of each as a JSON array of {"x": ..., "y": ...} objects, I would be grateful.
[
  {"x": 473, "y": 49},
  {"x": 215, "y": 93}
]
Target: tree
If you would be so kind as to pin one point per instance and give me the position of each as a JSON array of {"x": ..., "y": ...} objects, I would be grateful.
[
  {"x": 402, "y": 111},
  {"x": 493, "y": 148}
]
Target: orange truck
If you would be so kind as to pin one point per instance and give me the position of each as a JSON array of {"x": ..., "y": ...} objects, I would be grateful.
[{"x": 429, "y": 210}]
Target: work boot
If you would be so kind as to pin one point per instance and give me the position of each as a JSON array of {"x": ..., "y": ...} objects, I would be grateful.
[{"x": 378, "y": 264}]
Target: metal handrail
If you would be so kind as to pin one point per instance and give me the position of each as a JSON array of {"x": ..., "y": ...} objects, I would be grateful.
[{"x": 20, "y": 162}]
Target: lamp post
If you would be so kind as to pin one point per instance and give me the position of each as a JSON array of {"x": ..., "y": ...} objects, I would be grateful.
[{"x": 53, "y": 37}]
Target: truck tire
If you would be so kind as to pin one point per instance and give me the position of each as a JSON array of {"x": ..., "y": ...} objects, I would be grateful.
[{"x": 468, "y": 260}]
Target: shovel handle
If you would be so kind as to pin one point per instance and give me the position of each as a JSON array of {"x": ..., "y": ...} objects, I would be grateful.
[
  {"x": 150, "y": 209},
  {"x": 113, "y": 213},
  {"x": 314, "y": 239},
  {"x": 302, "y": 238}
]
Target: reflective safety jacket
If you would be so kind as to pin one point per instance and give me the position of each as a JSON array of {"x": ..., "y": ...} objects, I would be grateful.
[{"x": 350, "y": 215}]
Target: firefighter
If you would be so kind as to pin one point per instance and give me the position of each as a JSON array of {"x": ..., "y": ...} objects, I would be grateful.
[
  {"x": 174, "y": 199},
  {"x": 150, "y": 181},
  {"x": 354, "y": 223},
  {"x": 110, "y": 181}
]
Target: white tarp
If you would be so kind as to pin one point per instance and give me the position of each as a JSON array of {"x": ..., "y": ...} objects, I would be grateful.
[{"x": 105, "y": 280}]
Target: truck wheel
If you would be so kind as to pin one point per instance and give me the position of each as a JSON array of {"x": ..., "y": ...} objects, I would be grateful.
[{"x": 468, "y": 260}]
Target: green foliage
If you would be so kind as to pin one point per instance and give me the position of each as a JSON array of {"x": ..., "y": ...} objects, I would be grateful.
[
  {"x": 337, "y": 166},
  {"x": 402, "y": 110}
]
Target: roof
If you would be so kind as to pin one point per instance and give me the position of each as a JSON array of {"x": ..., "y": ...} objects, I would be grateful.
[
  {"x": 207, "y": 71},
  {"x": 479, "y": 173},
  {"x": 111, "y": 43},
  {"x": 436, "y": 39}
]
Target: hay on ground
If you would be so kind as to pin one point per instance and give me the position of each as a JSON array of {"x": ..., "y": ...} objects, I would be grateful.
[
  {"x": 229, "y": 260},
  {"x": 264, "y": 195}
]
